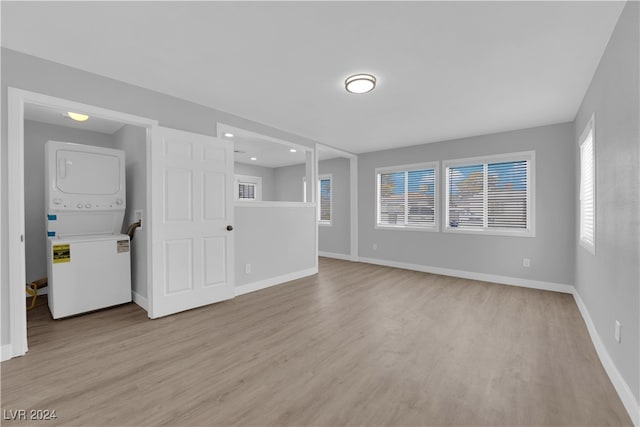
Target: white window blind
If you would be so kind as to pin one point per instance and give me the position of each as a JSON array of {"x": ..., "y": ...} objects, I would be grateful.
[
  {"x": 507, "y": 194},
  {"x": 248, "y": 188},
  {"x": 491, "y": 194},
  {"x": 407, "y": 198},
  {"x": 587, "y": 189},
  {"x": 324, "y": 193},
  {"x": 246, "y": 191},
  {"x": 466, "y": 196}
]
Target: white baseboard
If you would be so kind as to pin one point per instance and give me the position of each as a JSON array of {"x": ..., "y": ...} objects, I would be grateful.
[
  {"x": 273, "y": 281},
  {"x": 335, "y": 255},
  {"x": 626, "y": 395},
  {"x": 140, "y": 300},
  {"x": 6, "y": 352},
  {"x": 42, "y": 291},
  {"x": 504, "y": 280}
]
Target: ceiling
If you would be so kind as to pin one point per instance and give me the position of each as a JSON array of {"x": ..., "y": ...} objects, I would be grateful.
[
  {"x": 49, "y": 115},
  {"x": 445, "y": 69}
]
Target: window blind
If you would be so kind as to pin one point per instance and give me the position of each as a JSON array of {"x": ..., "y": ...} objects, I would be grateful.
[
  {"x": 487, "y": 195},
  {"x": 246, "y": 191},
  {"x": 587, "y": 199},
  {"x": 466, "y": 196},
  {"x": 325, "y": 199},
  {"x": 507, "y": 194},
  {"x": 407, "y": 198}
]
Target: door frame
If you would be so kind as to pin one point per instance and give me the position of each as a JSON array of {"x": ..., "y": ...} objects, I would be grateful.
[
  {"x": 16, "y": 100},
  {"x": 353, "y": 189}
]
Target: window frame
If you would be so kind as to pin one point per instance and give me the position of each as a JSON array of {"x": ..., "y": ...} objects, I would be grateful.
[
  {"x": 485, "y": 161},
  {"x": 435, "y": 165},
  {"x": 589, "y": 129},
  {"x": 319, "y": 207},
  {"x": 247, "y": 179}
]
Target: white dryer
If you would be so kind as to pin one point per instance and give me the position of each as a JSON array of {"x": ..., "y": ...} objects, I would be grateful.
[{"x": 88, "y": 259}]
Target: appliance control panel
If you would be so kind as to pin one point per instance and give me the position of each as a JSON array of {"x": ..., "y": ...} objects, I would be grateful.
[{"x": 71, "y": 203}]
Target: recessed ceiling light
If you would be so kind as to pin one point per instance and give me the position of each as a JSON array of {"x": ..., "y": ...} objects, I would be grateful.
[
  {"x": 293, "y": 150},
  {"x": 78, "y": 117},
  {"x": 360, "y": 83},
  {"x": 228, "y": 134},
  {"x": 254, "y": 158}
]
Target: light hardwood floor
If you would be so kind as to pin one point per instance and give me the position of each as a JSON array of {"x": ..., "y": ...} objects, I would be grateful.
[{"x": 356, "y": 344}]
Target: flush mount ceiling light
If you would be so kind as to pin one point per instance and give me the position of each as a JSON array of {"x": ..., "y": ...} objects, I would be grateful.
[
  {"x": 360, "y": 83},
  {"x": 292, "y": 150},
  {"x": 228, "y": 134},
  {"x": 78, "y": 117},
  {"x": 254, "y": 158}
]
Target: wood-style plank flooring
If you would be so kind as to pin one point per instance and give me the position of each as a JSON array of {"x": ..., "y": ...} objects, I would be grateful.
[{"x": 357, "y": 345}]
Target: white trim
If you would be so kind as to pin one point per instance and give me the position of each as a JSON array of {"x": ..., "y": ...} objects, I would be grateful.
[
  {"x": 16, "y": 100},
  {"x": 345, "y": 257},
  {"x": 41, "y": 291},
  {"x": 503, "y": 280},
  {"x": 15, "y": 201},
  {"x": 273, "y": 281},
  {"x": 6, "y": 352},
  {"x": 624, "y": 391},
  {"x": 140, "y": 300}
]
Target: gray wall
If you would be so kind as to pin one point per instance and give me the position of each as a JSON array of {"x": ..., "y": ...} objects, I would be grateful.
[
  {"x": 608, "y": 282},
  {"x": 336, "y": 238},
  {"x": 288, "y": 183},
  {"x": 36, "y": 134},
  {"x": 38, "y": 75},
  {"x": 551, "y": 251},
  {"x": 133, "y": 140},
  {"x": 275, "y": 240},
  {"x": 267, "y": 175}
]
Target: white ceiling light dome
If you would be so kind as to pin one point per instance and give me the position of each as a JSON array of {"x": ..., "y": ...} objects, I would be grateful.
[{"x": 360, "y": 83}]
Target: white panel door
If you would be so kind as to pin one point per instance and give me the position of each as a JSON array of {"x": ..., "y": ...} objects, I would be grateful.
[{"x": 192, "y": 219}]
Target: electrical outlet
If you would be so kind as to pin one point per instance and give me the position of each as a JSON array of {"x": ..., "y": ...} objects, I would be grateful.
[
  {"x": 526, "y": 262},
  {"x": 375, "y": 246},
  {"x": 247, "y": 268},
  {"x": 617, "y": 332},
  {"x": 138, "y": 217}
]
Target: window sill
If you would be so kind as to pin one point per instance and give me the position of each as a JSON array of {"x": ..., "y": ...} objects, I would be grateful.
[
  {"x": 406, "y": 228},
  {"x": 325, "y": 223},
  {"x": 491, "y": 232},
  {"x": 588, "y": 247}
]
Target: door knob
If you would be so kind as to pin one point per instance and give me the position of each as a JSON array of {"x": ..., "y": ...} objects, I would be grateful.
[{"x": 229, "y": 227}]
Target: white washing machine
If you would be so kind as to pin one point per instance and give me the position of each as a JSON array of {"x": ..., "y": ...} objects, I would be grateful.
[
  {"x": 88, "y": 259},
  {"x": 87, "y": 273}
]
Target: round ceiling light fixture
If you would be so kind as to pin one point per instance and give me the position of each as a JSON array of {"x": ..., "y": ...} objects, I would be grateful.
[
  {"x": 228, "y": 134},
  {"x": 78, "y": 117},
  {"x": 360, "y": 83}
]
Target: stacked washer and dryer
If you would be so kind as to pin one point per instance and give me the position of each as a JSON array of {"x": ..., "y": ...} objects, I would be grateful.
[{"x": 88, "y": 259}]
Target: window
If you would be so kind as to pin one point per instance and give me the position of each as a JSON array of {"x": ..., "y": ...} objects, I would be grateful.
[
  {"x": 587, "y": 188},
  {"x": 407, "y": 197},
  {"x": 325, "y": 196},
  {"x": 248, "y": 187},
  {"x": 491, "y": 195}
]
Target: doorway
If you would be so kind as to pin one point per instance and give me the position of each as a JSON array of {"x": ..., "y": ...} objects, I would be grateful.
[
  {"x": 37, "y": 109},
  {"x": 337, "y": 203}
]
